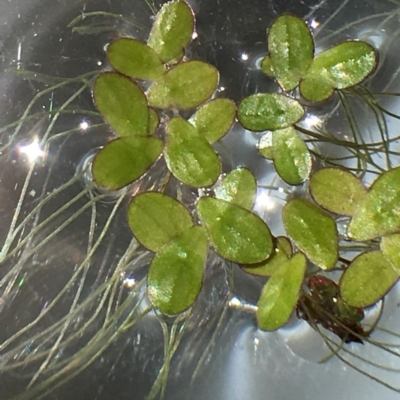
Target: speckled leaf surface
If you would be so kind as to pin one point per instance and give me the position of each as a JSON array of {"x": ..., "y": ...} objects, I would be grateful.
[
  {"x": 155, "y": 219},
  {"x": 269, "y": 111},
  {"x": 176, "y": 273},
  {"x": 122, "y": 104},
  {"x": 236, "y": 234},
  {"x": 124, "y": 160},
  {"x": 279, "y": 296},
  {"x": 313, "y": 231},
  {"x": 367, "y": 279},
  {"x": 291, "y": 50},
  {"x": 190, "y": 157}
]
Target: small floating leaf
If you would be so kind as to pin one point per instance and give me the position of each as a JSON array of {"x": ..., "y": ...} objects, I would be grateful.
[
  {"x": 214, "y": 119},
  {"x": 266, "y": 66},
  {"x": 176, "y": 273},
  {"x": 282, "y": 252},
  {"x": 269, "y": 111},
  {"x": 279, "y": 296},
  {"x": 156, "y": 219},
  {"x": 314, "y": 89},
  {"x": 122, "y": 103},
  {"x": 154, "y": 121},
  {"x": 390, "y": 247},
  {"x": 340, "y": 67},
  {"x": 124, "y": 160},
  {"x": 238, "y": 187},
  {"x": 379, "y": 213},
  {"x": 313, "y": 231},
  {"x": 291, "y": 50},
  {"x": 367, "y": 279},
  {"x": 236, "y": 234},
  {"x": 265, "y": 146},
  {"x": 134, "y": 58},
  {"x": 292, "y": 159},
  {"x": 172, "y": 30},
  {"x": 337, "y": 190},
  {"x": 189, "y": 157},
  {"x": 186, "y": 86}
]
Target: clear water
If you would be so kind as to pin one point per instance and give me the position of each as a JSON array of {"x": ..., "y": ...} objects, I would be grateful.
[{"x": 71, "y": 281}]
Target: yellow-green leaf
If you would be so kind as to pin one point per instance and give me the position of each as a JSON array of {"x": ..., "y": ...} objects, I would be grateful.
[
  {"x": 266, "y": 66},
  {"x": 265, "y": 146},
  {"x": 155, "y": 219},
  {"x": 340, "y": 67},
  {"x": 279, "y": 296},
  {"x": 154, "y": 121},
  {"x": 186, "y": 86},
  {"x": 189, "y": 157},
  {"x": 379, "y": 212},
  {"x": 214, "y": 119},
  {"x": 124, "y": 160},
  {"x": 390, "y": 247},
  {"x": 135, "y": 59},
  {"x": 172, "y": 30},
  {"x": 269, "y": 111},
  {"x": 313, "y": 231},
  {"x": 122, "y": 104},
  {"x": 291, "y": 50},
  {"x": 176, "y": 273},
  {"x": 367, "y": 279},
  {"x": 337, "y": 190},
  {"x": 292, "y": 159},
  {"x": 238, "y": 187},
  {"x": 236, "y": 233},
  {"x": 281, "y": 253}
]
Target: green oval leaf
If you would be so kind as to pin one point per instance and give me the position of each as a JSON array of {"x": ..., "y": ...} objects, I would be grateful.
[
  {"x": 281, "y": 253},
  {"x": 238, "y": 187},
  {"x": 155, "y": 219},
  {"x": 186, "y": 86},
  {"x": 313, "y": 231},
  {"x": 134, "y": 58},
  {"x": 172, "y": 30},
  {"x": 266, "y": 66},
  {"x": 189, "y": 157},
  {"x": 154, "y": 122},
  {"x": 279, "y": 296},
  {"x": 292, "y": 159},
  {"x": 265, "y": 146},
  {"x": 236, "y": 233},
  {"x": 122, "y": 104},
  {"x": 124, "y": 160},
  {"x": 269, "y": 111},
  {"x": 340, "y": 67},
  {"x": 313, "y": 89},
  {"x": 379, "y": 213},
  {"x": 390, "y": 247},
  {"x": 367, "y": 279},
  {"x": 214, "y": 119},
  {"x": 337, "y": 190},
  {"x": 176, "y": 273},
  {"x": 291, "y": 50}
]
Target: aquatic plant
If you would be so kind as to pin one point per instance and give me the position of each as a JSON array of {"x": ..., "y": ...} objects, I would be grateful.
[{"x": 187, "y": 213}]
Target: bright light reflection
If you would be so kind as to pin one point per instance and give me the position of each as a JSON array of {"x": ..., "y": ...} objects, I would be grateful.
[
  {"x": 244, "y": 56},
  {"x": 311, "y": 121},
  {"x": 129, "y": 282},
  {"x": 314, "y": 24},
  {"x": 195, "y": 35},
  {"x": 84, "y": 125},
  {"x": 32, "y": 151},
  {"x": 264, "y": 201}
]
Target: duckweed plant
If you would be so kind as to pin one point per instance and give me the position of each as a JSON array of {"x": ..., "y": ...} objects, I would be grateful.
[{"x": 163, "y": 109}]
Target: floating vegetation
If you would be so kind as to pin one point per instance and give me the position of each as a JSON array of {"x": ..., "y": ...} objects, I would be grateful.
[{"x": 166, "y": 222}]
